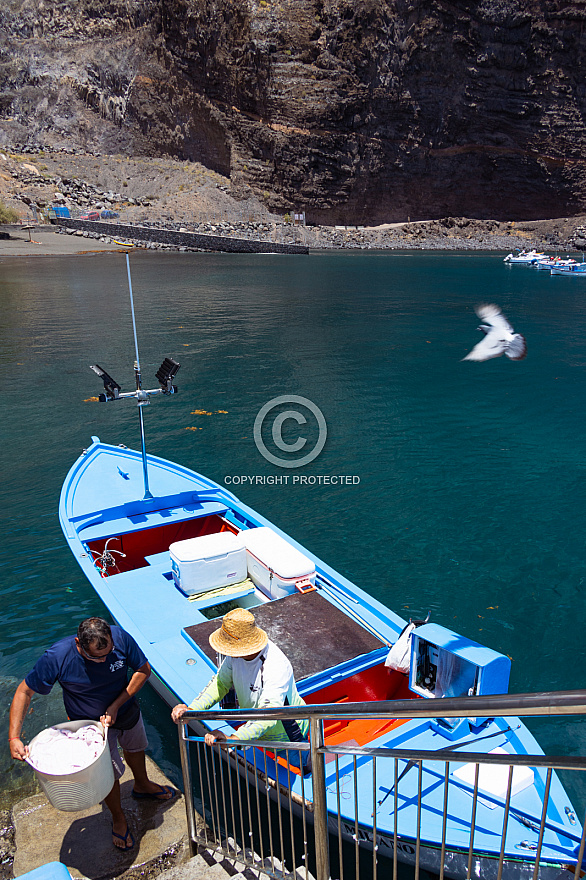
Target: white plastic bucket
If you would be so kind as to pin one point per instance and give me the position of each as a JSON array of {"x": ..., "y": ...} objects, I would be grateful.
[{"x": 84, "y": 788}]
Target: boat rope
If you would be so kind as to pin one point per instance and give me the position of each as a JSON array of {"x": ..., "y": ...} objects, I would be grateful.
[{"x": 104, "y": 559}]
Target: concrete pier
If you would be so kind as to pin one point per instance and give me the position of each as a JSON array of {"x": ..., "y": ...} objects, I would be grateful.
[{"x": 83, "y": 840}]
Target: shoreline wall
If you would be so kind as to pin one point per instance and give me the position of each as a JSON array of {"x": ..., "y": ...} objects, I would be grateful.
[{"x": 195, "y": 240}]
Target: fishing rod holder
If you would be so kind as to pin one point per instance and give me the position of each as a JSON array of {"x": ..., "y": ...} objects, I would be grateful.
[
  {"x": 111, "y": 387},
  {"x": 166, "y": 373},
  {"x": 113, "y": 391}
]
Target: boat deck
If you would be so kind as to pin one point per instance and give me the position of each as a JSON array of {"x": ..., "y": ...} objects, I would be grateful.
[{"x": 298, "y": 623}]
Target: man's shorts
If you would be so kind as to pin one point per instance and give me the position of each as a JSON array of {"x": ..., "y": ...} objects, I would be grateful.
[{"x": 133, "y": 740}]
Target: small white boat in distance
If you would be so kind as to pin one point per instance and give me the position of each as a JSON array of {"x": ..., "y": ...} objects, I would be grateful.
[{"x": 524, "y": 258}]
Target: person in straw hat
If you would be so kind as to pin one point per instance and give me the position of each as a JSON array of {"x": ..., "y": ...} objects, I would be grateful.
[{"x": 262, "y": 677}]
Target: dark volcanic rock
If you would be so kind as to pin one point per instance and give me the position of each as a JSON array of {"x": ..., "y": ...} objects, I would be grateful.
[
  {"x": 7, "y": 846},
  {"x": 358, "y": 112}
]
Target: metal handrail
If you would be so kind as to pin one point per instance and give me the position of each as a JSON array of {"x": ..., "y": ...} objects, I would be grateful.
[
  {"x": 561, "y": 703},
  {"x": 501, "y": 705},
  {"x": 558, "y": 762}
]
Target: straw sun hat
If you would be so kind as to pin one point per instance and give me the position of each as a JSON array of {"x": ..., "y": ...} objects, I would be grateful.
[{"x": 239, "y": 635}]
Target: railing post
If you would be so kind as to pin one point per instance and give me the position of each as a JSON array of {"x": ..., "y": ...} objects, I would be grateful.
[
  {"x": 187, "y": 788},
  {"x": 320, "y": 810}
]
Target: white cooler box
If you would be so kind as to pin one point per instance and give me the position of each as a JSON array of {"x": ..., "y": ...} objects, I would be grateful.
[
  {"x": 273, "y": 564},
  {"x": 208, "y": 562}
]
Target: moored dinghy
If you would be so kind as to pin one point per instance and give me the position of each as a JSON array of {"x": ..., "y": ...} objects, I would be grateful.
[{"x": 577, "y": 270}]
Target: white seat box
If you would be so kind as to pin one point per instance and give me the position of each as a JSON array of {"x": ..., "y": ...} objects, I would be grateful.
[
  {"x": 273, "y": 564},
  {"x": 493, "y": 779},
  {"x": 208, "y": 562}
]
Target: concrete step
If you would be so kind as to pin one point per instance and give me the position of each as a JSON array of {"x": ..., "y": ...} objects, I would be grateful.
[
  {"x": 197, "y": 868},
  {"x": 238, "y": 865}
]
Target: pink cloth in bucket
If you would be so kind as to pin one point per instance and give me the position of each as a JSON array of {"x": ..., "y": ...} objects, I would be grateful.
[{"x": 60, "y": 752}]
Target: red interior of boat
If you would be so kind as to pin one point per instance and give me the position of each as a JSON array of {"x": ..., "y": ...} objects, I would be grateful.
[
  {"x": 375, "y": 683},
  {"x": 147, "y": 542}
]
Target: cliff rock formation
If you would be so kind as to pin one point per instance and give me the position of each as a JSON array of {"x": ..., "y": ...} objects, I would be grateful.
[{"x": 357, "y": 112}]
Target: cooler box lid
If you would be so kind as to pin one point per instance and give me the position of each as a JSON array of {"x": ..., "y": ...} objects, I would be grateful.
[
  {"x": 206, "y": 547},
  {"x": 276, "y": 553}
]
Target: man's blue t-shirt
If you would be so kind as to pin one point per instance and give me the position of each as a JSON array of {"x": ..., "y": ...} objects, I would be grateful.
[{"x": 88, "y": 687}]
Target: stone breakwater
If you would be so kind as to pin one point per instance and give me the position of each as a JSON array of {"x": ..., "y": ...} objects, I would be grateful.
[{"x": 177, "y": 239}]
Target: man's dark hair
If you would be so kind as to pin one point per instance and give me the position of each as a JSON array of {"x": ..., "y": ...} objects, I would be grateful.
[{"x": 94, "y": 632}]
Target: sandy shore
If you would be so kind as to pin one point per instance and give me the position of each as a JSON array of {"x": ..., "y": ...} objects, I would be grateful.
[{"x": 45, "y": 243}]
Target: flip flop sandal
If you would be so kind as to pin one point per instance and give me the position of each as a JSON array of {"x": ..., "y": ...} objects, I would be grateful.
[
  {"x": 124, "y": 838},
  {"x": 157, "y": 795}
]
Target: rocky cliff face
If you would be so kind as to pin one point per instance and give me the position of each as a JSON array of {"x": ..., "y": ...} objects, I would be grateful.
[{"x": 359, "y": 112}]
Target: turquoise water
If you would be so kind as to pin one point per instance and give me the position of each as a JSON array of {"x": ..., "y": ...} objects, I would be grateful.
[{"x": 469, "y": 502}]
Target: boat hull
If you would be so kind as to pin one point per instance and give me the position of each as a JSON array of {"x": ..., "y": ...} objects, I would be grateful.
[{"x": 578, "y": 271}]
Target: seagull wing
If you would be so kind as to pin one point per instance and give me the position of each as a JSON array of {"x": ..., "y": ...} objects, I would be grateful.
[
  {"x": 516, "y": 350},
  {"x": 493, "y": 316},
  {"x": 493, "y": 345}
]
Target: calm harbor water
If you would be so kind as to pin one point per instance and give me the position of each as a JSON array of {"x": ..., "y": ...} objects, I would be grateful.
[{"x": 469, "y": 497}]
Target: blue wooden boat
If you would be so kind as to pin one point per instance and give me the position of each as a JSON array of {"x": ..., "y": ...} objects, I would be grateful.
[
  {"x": 549, "y": 263},
  {"x": 104, "y": 514},
  {"x": 577, "y": 270},
  {"x": 130, "y": 520}
]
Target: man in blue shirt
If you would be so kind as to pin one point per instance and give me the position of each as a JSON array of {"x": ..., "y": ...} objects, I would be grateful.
[{"x": 92, "y": 669}]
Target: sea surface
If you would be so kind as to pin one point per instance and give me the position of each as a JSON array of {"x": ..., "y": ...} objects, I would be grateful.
[{"x": 466, "y": 496}]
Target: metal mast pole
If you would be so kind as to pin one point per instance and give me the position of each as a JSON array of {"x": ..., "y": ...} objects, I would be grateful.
[{"x": 142, "y": 397}]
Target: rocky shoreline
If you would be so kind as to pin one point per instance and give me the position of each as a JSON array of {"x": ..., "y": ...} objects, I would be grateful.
[{"x": 164, "y": 193}]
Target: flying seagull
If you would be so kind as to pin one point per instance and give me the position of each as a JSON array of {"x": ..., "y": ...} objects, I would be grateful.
[{"x": 500, "y": 338}]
